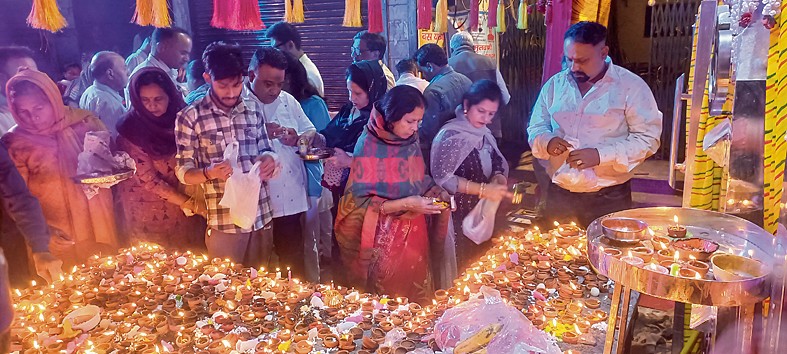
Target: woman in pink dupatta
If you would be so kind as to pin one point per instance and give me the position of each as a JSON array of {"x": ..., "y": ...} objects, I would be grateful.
[{"x": 382, "y": 226}]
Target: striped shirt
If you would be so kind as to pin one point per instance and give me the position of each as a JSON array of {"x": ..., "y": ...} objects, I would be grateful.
[{"x": 203, "y": 131}]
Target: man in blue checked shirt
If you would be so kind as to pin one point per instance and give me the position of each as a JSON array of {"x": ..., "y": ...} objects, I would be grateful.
[{"x": 203, "y": 131}]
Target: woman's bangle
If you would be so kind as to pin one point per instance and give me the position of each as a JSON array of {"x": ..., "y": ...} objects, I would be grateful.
[
  {"x": 382, "y": 208},
  {"x": 205, "y": 173},
  {"x": 481, "y": 190}
]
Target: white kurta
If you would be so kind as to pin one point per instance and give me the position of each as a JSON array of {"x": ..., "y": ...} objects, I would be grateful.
[
  {"x": 313, "y": 74},
  {"x": 288, "y": 189},
  {"x": 618, "y": 116}
]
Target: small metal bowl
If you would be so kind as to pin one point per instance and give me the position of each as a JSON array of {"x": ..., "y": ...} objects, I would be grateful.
[
  {"x": 729, "y": 267},
  {"x": 625, "y": 230},
  {"x": 701, "y": 249}
]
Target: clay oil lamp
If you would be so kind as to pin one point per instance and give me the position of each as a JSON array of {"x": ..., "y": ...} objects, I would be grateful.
[
  {"x": 356, "y": 332},
  {"x": 592, "y": 303},
  {"x": 441, "y": 295},
  {"x": 330, "y": 341},
  {"x": 632, "y": 260},
  {"x": 570, "y": 337},
  {"x": 366, "y": 325},
  {"x": 201, "y": 342},
  {"x": 392, "y": 305},
  {"x": 367, "y": 306},
  {"x": 700, "y": 267},
  {"x": 303, "y": 347},
  {"x": 657, "y": 268},
  {"x": 539, "y": 323},
  {"x": 386, "y": 326},
  {"x": 550, "y": 312},
  {"x": 660, "y": 242},
  {"x": 369, "y": 344},
  {"x": 583, "y": 325},
  {"x": 322, "y": 333},
  {"x": 688, "y": 273},
  {"x": 664, "y": 255},
  {"x": 378, "y": 335},
  {"x": 642, "y": 252},
  {"x": 346, "y": 342},
  {"x": 677, "y": 230},
  {"x": 612, "y": 252}
]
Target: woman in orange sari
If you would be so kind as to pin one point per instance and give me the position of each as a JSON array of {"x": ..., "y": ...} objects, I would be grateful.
[
  {"x": 44, "y": 145},
  {"x": 387, "y": 213}
]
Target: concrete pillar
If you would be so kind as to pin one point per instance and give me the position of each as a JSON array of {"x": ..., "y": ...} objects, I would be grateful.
[{"x": 401, "y": 30}]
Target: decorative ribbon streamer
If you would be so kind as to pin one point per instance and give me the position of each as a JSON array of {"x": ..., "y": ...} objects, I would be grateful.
[
  {"x": 375, "y": 12},
  {"x": 46, "y": 16},
  {"x": 441, "y": 16},
  {"x": 424, "y": 14},
  {"x": 248, "y": 16},
  {"x": 237, "y": 15},
  {"x": 521, "y": 21},
  {"x": 352, "y": 13},
  {"x": 293, "y": 11},
  {"x": 472, "y": 20},
  {"x": 152, "y": 13},
  {"x": 491, "y": 20},
  {"x": 501, "y": 17}
]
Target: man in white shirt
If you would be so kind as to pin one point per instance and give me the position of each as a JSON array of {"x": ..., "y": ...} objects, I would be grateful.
[
  {"x": 11, "y": 59},
  {"x": 408, "y": 75},
  {"x": 286, "y": 38},
  {"x": 110, "y": 76},
  {"x": 371, "y": 46},
  {"x": 170, "y": 51},
  {"x": 286, "y": 124},
  {"x": 594, "y": 122}
]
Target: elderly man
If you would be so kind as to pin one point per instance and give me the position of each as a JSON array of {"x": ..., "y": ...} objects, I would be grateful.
[
  {"x": 443, "y": 95},
  {"x": 476, "y": 67},
  {"x": 110, "y": 76},
  {"x": 594, "y": 122},
  {"x": 371, "y": 46},
  {"x": 286, "y": 38},
  {"x": 11, "y": 59}
]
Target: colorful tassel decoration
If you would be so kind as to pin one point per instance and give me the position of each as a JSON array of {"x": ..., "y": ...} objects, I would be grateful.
[
  {"x": 375, "y": 11},
  {"x": 237, "y": 15},
  {"x": 46, "y": 16},
  {"x": 293, "y": 11},
  {"x": 501, "y": 17},
  {"x": 424, "y": 14},
  {"x": 441, "y": 16},
  {"x": 297, "y": 7},
  {"x": 222, "y": 13},
  {"x": 491, "y": 18},
  {"x": 472, "y": 20},
  {"x": 247, "y": 18},
  {"x": 352, "y": 13},
  {"x": 521, "y": 18},
  {"x": 152, "y": 13}
]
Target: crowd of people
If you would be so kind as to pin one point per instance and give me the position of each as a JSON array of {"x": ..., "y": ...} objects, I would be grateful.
[{"x": 379, "y": 208}]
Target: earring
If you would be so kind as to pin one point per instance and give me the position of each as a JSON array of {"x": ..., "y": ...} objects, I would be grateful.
[{"x": 465, "y": 111}]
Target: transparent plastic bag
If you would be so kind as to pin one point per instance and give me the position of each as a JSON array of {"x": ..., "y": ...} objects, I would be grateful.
[
  {"x": 571, "y": 177},
  {"x": 242, "y": 190},
  {"x": 479, "y": 224},
  {"x": 492, "y": 325}
]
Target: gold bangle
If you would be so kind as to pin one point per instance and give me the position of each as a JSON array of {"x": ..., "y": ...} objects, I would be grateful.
[{"x": 481, "y": 190}]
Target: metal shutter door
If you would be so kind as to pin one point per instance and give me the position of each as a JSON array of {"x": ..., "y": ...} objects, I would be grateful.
[{"x": 324, "y": 39}]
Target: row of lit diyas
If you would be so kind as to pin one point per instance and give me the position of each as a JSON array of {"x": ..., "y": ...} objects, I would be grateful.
[
  {"x": 151, "y": 301},
  {"x": 544, "y": 274}
]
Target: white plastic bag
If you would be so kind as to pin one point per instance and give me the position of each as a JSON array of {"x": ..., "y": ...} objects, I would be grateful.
[
  {"x": 242, "y": 190},
  {"x": 479, "y": 224},
  {"x": 570, "y": 178}
]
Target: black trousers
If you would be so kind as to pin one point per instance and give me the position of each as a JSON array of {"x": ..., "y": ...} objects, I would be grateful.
[
  {"x": 288, "y": 242},
  {"x": 565, "y": 206}
]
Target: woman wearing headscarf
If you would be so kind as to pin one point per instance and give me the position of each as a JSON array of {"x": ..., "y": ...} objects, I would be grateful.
[
  {"x": 468, "y": 164},
  {"x": 45, "y": 145},
  {"x": 366, "y": 84},
  {"x": 388, "y": 212},
  {"x": 156, "y": 207}
]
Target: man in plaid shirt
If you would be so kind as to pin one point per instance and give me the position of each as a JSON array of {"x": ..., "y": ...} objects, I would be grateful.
[{"x": 203, "y": 131}]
